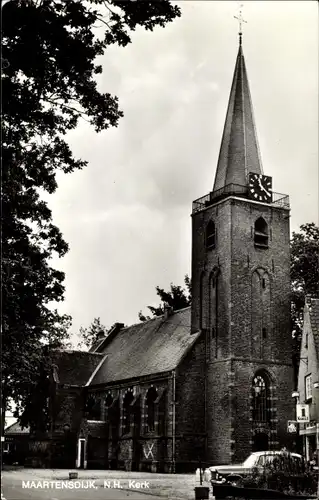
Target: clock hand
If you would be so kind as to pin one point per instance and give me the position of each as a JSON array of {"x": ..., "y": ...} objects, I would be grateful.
[{"x": 262, "y": 187}]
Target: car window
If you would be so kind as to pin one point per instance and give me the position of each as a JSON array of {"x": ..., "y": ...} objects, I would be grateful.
[
  {"x": 250, "y": 461},
  {"x": 261, "y": 461}
]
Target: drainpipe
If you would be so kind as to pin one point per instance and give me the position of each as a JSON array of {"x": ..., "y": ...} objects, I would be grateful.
[
  {"x": 173, "y": 419},
  {"x": 207, "y": 347}
]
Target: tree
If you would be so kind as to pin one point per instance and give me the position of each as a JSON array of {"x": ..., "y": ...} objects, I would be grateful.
[
  {"x": 89, "y": 335},
  {"x": 49, "y": 51},
  {"x": 177, "y": 298},
  {"x": 304, "y": 273}
]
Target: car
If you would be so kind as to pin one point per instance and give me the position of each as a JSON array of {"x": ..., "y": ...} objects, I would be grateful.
[{"x": 256, "y": 461}]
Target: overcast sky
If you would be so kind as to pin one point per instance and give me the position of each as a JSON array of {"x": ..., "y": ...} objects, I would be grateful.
[{"x": 126, "y": 216}]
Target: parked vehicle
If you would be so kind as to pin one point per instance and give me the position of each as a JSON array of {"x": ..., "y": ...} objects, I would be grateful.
[{"x": 257, "y": 461}]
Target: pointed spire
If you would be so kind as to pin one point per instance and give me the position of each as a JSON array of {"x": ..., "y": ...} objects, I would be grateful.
[{"x": 239, "y": 151}]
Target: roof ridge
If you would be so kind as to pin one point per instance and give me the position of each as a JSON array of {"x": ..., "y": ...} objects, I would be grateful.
[
  {"x": 154, "y": 318},
  {"x": 76, "y": 351}
]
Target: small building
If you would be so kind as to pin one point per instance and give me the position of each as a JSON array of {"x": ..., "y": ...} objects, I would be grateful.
[
  {"x": 15, "y": 447},
  {"x": 308, "y": 377}
]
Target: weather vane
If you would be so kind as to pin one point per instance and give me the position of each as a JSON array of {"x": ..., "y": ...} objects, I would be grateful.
[{"x": 240, "y": 21}]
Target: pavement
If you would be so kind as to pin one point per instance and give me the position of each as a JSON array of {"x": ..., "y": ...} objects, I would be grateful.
[{"x": 54, "y": 484}]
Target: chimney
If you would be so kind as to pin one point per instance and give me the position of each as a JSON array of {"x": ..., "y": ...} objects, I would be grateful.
[
  {"x": 100, "y": 335},
  {"x": 168, "y": 311}
]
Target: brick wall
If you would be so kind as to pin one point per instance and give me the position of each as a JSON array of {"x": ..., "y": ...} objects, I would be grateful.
[
  {"x": 141, "y": 448},
  {"x": 218, "y": 412},
  {"x": 281, "y": 404},
  {"x": 190, "y": 408},
  {"x": 253, "y": 294}
]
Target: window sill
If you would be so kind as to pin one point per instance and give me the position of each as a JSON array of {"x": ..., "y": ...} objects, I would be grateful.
[{"x": 261, "y": 245}]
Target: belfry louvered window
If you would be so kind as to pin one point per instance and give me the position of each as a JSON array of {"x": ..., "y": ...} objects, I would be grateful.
[
  {"x": 261, "y": 233},
  {"x": 210, "y": 235}
]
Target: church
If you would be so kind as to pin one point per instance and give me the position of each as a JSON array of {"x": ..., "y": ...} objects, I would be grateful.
[{"x": 210, "y": 383}]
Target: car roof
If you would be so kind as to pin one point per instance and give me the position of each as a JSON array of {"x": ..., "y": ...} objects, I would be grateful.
[{"x": 274, "y": 452}]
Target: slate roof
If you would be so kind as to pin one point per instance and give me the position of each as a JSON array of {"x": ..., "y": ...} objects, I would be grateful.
[
  {"x": 147, "y": 348},
  {"x": 313, "y": 307},
  {"x": 239, "y": 150},
  {"x": 15, "y": 428},
  {"x": 75, "y": 367}
]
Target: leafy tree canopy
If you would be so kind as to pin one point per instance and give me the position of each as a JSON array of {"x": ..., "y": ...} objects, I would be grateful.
[
  {"x": 177, "y": 298},
  {"x": 304, "y": 272},
  {"x": 88, "y": 336},
  {"x": 49, "y": 54}
]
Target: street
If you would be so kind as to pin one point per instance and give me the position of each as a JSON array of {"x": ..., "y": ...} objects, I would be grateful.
[{"x": 48, "y": 484}]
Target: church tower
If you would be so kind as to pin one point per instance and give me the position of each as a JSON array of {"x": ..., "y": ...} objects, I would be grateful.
[{"x": 241, "y": 292}]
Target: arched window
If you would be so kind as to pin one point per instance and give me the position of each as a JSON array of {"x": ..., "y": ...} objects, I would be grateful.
[
  {"x": 202, "y": 322},
  {"x": 260, "y": 399},
  {"x": 93, "y": 408},
  {"x": 127, "y": 412},
  {"x": 150, "y": 408},
  {"x": 210, "y": 235},
  {"x": 162, "y": 407},
  {"x": 214, "y": 305},
  {"x": 107, "y": 405},
  {"x": 261, "y": 233}
]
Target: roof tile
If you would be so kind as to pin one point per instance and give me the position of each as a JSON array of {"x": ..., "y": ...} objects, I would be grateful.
[
  {"x": 150, "y": 347},
  {"x": 75, "y": 367}
]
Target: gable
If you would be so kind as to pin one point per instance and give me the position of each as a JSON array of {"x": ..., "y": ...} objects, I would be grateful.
[
  {"x": 74, "y": 367},
  {"x": 15, "y": 429},
  {"x": 313, "y": 308},
  {"x": 147, "y": 348}
]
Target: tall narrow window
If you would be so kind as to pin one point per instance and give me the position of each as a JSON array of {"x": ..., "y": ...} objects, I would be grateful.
[
  {"x": 93, "y": 408},
  {"x": 213, "y": 305},
  {"x": 261, "y": 233},
  {"x": 150, "y": 408},
  {"x": 202, "y": 305},
  {"x": 107, "y": 405},
  {"x": 260, "y": 396},
  {"x": 127, "y": 412},
  {"x": 210, "y": 235},
  {"x": 162, "y": 414}
]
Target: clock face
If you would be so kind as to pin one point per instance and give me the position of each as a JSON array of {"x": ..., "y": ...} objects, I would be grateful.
[{"x": 260, "y": 187}]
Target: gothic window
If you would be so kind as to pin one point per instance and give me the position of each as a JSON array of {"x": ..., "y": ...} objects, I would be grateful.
[
  {"x": 213, "y": 303},
  {"x": 261, "y": 233},
  {"x": 260, "y": 398},
  {"x": 150, "y": 408},
  {"x": 107, "y": 404},
  {"x": 93, "y": 408},
  {"x": 127, "y": 412},
  {"x": 162, "y": 414},
  {"x": 202, "y": 302},
  {"x": 210, "y": 235}
]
